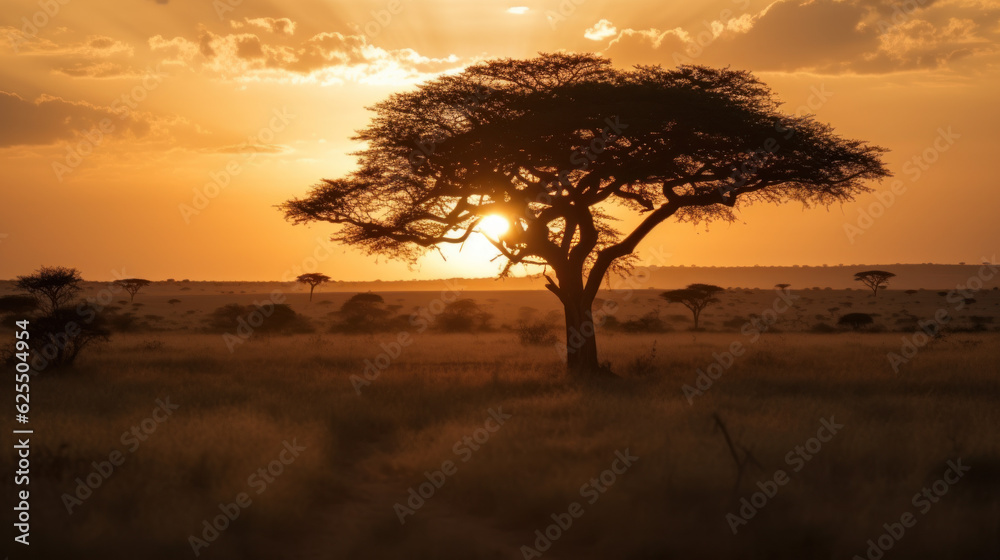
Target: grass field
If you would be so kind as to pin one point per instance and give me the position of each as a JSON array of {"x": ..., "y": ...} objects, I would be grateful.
[{"x": 342, "y": 496}]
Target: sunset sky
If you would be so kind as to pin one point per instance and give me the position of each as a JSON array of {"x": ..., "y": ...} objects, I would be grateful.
[{"x": 153, "y": 138}]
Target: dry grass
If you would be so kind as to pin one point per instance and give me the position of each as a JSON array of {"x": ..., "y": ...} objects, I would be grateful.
[{"x": 364, "y": 452}]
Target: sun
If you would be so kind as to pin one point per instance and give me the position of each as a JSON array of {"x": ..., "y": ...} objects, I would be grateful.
[{"x": 494, "y": 226}]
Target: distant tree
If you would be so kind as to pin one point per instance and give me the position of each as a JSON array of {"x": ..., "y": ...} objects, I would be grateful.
[
  {"x": 910, "y": 292},
  {"x": 564, "y": 145},
  {"x": 874, "y": 279},
  {"x": 313, "y": 279},
  {"x": 856, "y": 321},
  {"x": 132, "y": 286},
  {"x": 52, "y": 286},
  {"x": 695, "y": 297},
  {"x": 782, "y": 286}
]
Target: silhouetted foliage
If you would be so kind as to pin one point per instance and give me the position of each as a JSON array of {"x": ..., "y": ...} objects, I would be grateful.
[
  {"x": 267, "y": 318},
  {"x": 53, "y": 286},
  {"x": 463, "y": 315},
  {"x": 856, "y": 321},
  {"x": 874, "y": 279},
  {"x": 18, "y": 304},
  {"x": 535, "y": 333},
  {"x": 132, "y": 286},
  {"x": 365, "y": 312},
  {"x": 312, "y": 279},
  {"x": 59, "y": 336},
  {"x": 551, "y": 143},
  {"x": 648, "y": 323},
  {"x": 695, "y": 297}
]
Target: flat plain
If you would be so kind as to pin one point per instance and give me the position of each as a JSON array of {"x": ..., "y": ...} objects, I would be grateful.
[{"x": 361, "y": 444}]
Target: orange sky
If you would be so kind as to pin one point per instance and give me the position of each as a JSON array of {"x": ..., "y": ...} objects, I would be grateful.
[{"x": 117, "y": 112}]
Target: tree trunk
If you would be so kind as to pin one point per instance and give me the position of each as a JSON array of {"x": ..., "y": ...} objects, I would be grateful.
[
  {"x": 581, "y": 339},
  {"x": 311, "y": 288}
]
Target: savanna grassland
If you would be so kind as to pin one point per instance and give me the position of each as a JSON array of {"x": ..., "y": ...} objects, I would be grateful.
[{"x": 359, "y": 447}]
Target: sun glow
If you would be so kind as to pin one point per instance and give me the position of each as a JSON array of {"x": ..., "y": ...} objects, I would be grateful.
[{"x": 494, "y": 226}]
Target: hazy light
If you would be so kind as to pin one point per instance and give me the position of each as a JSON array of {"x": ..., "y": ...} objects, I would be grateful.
[
  {"x": 519, "y": 10},
  {"x": 494, "y": 226}
]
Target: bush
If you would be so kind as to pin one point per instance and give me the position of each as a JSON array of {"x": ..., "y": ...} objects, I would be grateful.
[
  {"x": 18, "y": 304},
  {"x": 463, "y": 315},
  {"x": 535, "y": 333},
  {"x": 648, "y": 323},
  {"x": 362, "y": 313},
  {"x": 822, "y": 328},
  {"x": 856, "y": 321},
  {"x": 269, "y": 318},
  {"x": 59, "y": 336}
]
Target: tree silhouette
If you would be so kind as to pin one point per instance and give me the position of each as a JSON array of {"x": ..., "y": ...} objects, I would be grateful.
[
  {"x": 874, "y": 279},
  {"x": 52, "y": 286},
  {"x": 313, "y": 279},
  {"x": 782, "y": 287},
  {"x": 695, "y": 297},
  {"x": 554, "y": 143},
  {"x": 132, "y": 286}
]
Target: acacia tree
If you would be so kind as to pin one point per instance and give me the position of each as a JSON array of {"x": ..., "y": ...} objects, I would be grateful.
[
  {"x": 313, "y": 279},
  {"x": 52, "y": 286},
  {"x": 695, "y": 297},
  {"x": 562, "y": 145},
  {"x": 874, "y": 279},
  {"x": 132, "y": 286}
]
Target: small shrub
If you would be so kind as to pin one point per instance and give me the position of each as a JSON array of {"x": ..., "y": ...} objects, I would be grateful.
[
  {"x": 535, "y": 333},
  {"x": 856, "y": 321}
]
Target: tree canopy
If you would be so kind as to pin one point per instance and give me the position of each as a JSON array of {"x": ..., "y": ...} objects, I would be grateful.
[
  {"x": 695, "y": 297},
  {"x": 874, "y": 279},
  {"x": 563, "y": 145},
  {"x": 52, "y": 286}
]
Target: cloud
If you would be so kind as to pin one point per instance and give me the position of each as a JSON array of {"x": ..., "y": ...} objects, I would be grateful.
[
  {"x": 324, "y": 58},
  {"x": 826, "y": 36},
  {"x": 49, "y": 120},
  {"x": 281, "y": 26},
  {"x": 601, "y": 30},
  {"x": 94, "y": 56}
]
